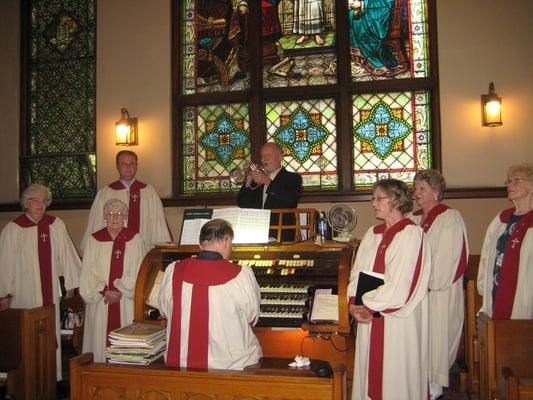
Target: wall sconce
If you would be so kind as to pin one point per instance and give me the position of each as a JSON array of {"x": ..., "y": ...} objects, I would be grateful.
[
  {"x": 491, "y": 108},
  {"x": 126, "y": 130}
]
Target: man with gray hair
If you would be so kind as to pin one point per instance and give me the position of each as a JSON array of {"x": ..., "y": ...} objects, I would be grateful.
[{"x": 211, "y": 305}]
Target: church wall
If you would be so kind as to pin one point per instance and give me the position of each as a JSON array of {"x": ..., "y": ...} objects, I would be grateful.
[{"x": 479, "y": 41}]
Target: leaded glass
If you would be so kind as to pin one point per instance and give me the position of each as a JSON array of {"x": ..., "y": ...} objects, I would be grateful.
[
  {"x": 298, "y": 43},
  {"x": 391, "y": 136},
  {"x": 216, "y": 139},
  {"x": 61, "y": 97},
  {"x": 214, "y": 48},
  {"x": 388, "y": 39},
  {"x": 306, "y": 130},
  {"x": 66, "y": 176}
]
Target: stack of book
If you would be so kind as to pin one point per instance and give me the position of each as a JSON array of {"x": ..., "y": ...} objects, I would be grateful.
[{"x": 136, "y": 344}]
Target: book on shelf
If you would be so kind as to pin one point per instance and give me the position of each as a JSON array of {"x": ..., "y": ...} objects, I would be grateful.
[{"x": 367, "y": 281}]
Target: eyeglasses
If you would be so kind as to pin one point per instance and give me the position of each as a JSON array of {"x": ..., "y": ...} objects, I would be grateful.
[
  {"x": 514, "y": 180},
  {"x": 115, "y": 214},
  {"x": 37, "y": 200},
  {"x": 378, "y": 198}
]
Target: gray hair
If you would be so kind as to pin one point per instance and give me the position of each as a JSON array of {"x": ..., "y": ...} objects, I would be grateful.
[
  {"x": 434, "y": 179},
  {"x": 111, "y": 203},
  {"x": 215, "y": 230},
  {"x": 31, "y": 190},
  {"x": 525, "y": 168},
  {"x": 398, "y": 193}
]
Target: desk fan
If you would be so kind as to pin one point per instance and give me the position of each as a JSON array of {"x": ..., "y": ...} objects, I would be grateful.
[{"x": 342, "y": 219}]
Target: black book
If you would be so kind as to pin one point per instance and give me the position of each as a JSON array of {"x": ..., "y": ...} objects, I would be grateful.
[{"x": 366, "y": 283}]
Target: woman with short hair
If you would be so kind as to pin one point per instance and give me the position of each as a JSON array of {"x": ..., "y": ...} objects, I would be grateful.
[
  {"x": 446, "y": 233},
  {"x": 111, "y": 261},
  {"x": 35, "y": 250},
  {"x": 505, "y": 275},
  {"x": 391, "y": 356}
]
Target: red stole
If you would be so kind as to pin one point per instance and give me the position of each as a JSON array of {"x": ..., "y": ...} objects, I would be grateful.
[
  {"x": 377, "y": 330},
  {"x": 44, "y": 249},
  {"x": 503, "y": 303},
  {"x": 134, "y": 206},
  {"x": 426, "y": 224},
  {"x": 116, "y": 269},
  {"x": 201, "y": 274}
]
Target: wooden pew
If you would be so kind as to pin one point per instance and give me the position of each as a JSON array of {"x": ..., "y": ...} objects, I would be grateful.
[
  {"x": 515, "y": 388},
  {"x": 470, "y": 377},
  {"x": 28, "y": 352},
  {"x": 272, "y": 380},
  {"x": 503, "y": 343}
]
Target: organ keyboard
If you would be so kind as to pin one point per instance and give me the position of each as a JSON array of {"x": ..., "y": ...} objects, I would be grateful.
[{"x": 287, "y": 276}]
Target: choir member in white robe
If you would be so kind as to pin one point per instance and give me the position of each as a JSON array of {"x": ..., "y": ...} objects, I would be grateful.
[
  {"x": 391, "y": 355},
  {"x": 109, "y": 272},
  {"x": 36, "y": 249},
  {"x": 146, "y": 214},
  {"x": 446, "y": 233},
  {"x": 211, "y": 306},
  {"x": 505, "y": 274}
]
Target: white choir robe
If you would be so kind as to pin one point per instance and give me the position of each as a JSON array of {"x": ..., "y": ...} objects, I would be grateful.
[
  {"x": 153, "y": 226},
  {"x": 233, "y": 310},
  {"x": 523, "y": 301},
  {"x": 446, "y": 298},
  {"x": 20, "y": 273},
  {"x": 94, "y": 278},
  {"x": 406, "y": 336}
]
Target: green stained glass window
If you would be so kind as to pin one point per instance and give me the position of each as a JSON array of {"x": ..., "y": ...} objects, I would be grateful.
[
  {"x": 306, "y": 130},
  {"x": 391, "y": 136},
  {"x": 388, "y": 39},
  {"x": 61, "y": 85},
  {"x": 216, "y": 140}
]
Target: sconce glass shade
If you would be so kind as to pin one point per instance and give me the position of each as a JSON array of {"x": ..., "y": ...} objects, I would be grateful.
[
  {"x": 491, "y": 108},
  {"x": 126, "y": 130}
]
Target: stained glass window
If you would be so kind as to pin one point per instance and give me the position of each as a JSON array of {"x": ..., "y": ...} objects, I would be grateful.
[
  {"x": 306, "y": 130},
  {"x": 216, "y": 140},
  {"x": 349, "y": 102},
  {"x": 60, "y": 148},
  {"x": 388, "y": 39},
  {"x": 391, "y": 136}
]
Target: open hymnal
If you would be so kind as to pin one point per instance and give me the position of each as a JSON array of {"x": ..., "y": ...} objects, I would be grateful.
[
  {"x": 249, "y": 225},
  {"x": 367, "y": 281},
  {"x": 325, "y": 306}
]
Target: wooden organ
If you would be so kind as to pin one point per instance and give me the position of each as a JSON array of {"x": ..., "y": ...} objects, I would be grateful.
[{"x": 288, "y": 275}]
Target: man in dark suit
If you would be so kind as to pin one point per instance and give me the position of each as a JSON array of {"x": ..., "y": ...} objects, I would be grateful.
[{"x": 272, "y": 187}]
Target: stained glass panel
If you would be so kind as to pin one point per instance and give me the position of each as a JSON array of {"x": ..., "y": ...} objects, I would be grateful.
[
  {"x": 391, "y": 136},
  {"x": 306, "y": 130},
  {"x": 388, "y": 39},
  {"x": 216, "y": 139},
  {"x": 66, "y": 176},
  {"x": 61, "y": 97},
  {"x": 298, "y": 43},
  {"x": 214, "y": 48}
]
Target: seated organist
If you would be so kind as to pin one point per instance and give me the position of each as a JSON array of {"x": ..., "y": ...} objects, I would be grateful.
[
  {"x": 272, "y": 186},
  {"x": 211, "y": 305}
]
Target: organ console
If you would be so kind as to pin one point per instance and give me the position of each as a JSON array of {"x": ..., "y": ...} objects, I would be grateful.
[{"x": 288, "y": 276}]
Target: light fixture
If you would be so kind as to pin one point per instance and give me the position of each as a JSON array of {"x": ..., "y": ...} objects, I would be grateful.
[
  {"x": 126, "y": 130},
  {"x": 491, "y": 108}
]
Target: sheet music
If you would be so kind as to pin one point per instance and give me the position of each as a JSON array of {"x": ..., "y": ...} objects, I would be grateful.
[
  {"x": 191, "y": 230},
  {"x": 153, "y": 297},
  {"x": 325, "y": 306},
  {"x": 249, "y": 225}
]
